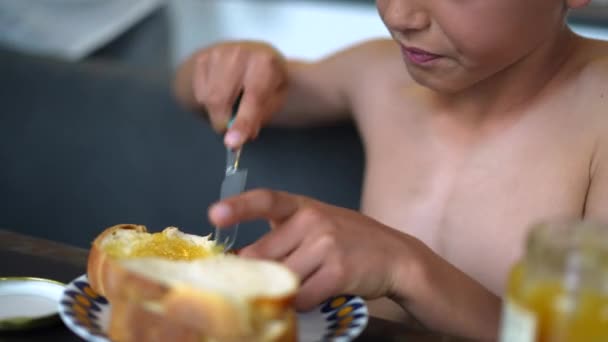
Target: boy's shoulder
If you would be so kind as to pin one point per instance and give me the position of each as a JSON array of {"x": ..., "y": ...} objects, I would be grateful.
[
  {"x": 592, "y": 66},
  {"x": 591, "y": 78},
  {"x": 372, "y": 65},
  {"x": 591, "y": 91},
  {"x": 373, "y": 48},
  {"x": 377, "y": 56}
]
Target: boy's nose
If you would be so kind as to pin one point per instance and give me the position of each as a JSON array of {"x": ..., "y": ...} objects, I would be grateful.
[{"x": 404, "y": 15}]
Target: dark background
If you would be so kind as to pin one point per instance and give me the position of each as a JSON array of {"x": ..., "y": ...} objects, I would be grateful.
[
  {"x": 87, "y": 145},
  {"x": 90, "y": 144}
]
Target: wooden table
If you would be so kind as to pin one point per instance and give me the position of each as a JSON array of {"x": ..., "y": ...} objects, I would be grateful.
[{"x": 22, "y": 255}]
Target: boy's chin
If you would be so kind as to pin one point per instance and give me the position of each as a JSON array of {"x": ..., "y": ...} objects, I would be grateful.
[{"x": 439, "y": 83}]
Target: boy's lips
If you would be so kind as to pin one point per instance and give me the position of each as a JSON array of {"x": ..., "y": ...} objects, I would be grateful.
[{"x": 418, "y": 56}]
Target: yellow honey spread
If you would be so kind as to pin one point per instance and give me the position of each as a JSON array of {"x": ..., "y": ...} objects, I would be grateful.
[{"x": 159, "y": 245}]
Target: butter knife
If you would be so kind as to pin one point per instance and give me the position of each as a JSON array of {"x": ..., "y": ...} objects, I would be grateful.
[{"x": 233, "y": 184}]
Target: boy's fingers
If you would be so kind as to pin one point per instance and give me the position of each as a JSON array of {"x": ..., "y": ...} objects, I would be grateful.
[
  {"x": 305, "y": 260},
  {"x": 217, "y": 84},
  {"x": 220, "y": 102},
  {"x": 219, "y": 115},
  {"x": 264, "y": 77},
  {"x": 290, "y": 241},
  {"x": 252, "y": 205},
  {"x": 247, "y": 121},
  {"x": 316, "y": 289},
  {"x": 277, "y": 244},
  {"x": 261, "y": 85},
  {"x": 200, "y": 79}
]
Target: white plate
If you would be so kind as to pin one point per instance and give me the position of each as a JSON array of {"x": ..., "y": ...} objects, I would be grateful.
[
  {"x": 339, "y": 319},
  {"x": 28, "y": 302}
]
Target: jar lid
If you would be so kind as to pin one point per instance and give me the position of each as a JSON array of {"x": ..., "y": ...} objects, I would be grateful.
[{"x": 28, "y": 302}]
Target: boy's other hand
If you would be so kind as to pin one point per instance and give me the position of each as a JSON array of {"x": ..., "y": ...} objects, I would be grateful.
[
  {"x": 223, "y": 71},
  {"x": 333, "y": 250}
]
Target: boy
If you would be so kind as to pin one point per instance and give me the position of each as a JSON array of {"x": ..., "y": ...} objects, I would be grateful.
[{"x": 500, "y": 121}]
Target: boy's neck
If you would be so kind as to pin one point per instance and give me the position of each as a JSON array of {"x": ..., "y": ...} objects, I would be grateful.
[{"x": 514, "y": 88}]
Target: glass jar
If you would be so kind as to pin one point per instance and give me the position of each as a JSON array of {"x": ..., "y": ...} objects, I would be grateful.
[{"x": 558, "y": 291}]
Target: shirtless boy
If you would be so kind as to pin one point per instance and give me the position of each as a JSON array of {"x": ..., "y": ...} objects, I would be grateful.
[{"x": 479, "y": 118}]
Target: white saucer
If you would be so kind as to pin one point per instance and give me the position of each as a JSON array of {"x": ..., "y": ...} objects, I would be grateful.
[{"x": 27, "y": 302}]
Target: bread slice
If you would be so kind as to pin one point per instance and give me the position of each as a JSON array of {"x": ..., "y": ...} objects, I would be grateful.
[
  {"x": 224, "y": 298},
  {"x": 126, "y": 241},
  {"x": 133, "y": 322}
]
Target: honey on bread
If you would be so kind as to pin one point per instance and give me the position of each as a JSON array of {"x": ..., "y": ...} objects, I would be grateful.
[{"x": 161, "y": 245}]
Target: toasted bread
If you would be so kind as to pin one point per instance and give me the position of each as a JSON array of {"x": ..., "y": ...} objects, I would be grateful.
[
  {"x": 132, "y": 321},
  {"x": 173, "y": 286},
  {"x": 224, "y": 298},
  {"x": 125, "y": 241},
  {"x": 135, "y": 321}
]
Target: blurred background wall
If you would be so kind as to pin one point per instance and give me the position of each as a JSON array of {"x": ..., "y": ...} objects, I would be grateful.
[{"x": 305, "y": 28}]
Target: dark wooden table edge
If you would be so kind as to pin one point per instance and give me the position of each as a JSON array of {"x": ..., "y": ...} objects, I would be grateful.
[{"x": 15, "y": 242}]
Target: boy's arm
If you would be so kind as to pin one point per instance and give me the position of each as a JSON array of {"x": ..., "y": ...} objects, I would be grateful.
[
  {"x": 318, "y": 92},
  {"x": 445, "y": 298}
]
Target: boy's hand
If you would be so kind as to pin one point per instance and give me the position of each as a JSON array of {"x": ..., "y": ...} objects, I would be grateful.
[
  {"x": 222, "y": 71},
  {"x": 333, "y": 250}
]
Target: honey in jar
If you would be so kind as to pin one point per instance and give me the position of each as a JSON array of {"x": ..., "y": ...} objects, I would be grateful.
[{"x": 558, "y": 291}]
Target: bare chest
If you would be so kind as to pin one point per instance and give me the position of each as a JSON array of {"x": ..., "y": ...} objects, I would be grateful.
[{"x": 473, "y": 202}]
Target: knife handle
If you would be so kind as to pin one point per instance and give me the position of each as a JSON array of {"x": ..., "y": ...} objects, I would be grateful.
[{"x": 235, "y": 108}]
